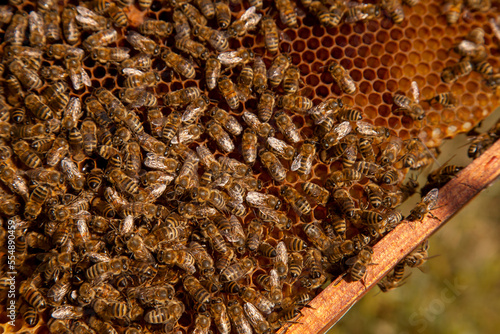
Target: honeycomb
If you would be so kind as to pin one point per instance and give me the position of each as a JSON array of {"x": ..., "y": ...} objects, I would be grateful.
[{"x": 381, "y": 57}]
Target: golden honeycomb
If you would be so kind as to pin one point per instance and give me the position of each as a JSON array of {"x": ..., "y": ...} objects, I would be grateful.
[{"x": 382, "y": 58}]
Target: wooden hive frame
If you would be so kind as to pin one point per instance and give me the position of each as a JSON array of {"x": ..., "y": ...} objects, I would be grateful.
[{"x": 335, "y": 301}]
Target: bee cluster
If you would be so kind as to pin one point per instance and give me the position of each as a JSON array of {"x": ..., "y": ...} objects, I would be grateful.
[{"x": 167, "y": 168}]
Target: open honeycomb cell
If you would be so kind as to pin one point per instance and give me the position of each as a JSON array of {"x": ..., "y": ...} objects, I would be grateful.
[{"x": 382, "y": 58}]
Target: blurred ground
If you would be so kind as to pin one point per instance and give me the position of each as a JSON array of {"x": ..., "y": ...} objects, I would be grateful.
[{"x": 459, "y": 291}]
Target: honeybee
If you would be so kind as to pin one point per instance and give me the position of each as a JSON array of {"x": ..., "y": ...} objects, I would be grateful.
[
  {"x": 453, "y": 73},
  {"x": 31, "y": 131},
  {"x": 257, "y": 200},
  {"x": 37, "y": 27},
  {"x": 89, "y": 20},
  {"x": 238, "y": 270},
  {"x": 105, "y": 54},
  {"x": 138, "y": 97},
  {"x": 28, "y": 78},
  {"x": 410, "y": 105},
  {"x": 178, "y": 63},
  {"x": 138, "y": 79},
  {"x": 188, "y": 134},
  {"x": 237, "y": 315},
  {"x": 424, "y": 206},
  {"x": 345, "y": 202},
  {"x": 26, "y": 154},
  {"x": 202, "y": 324},
  {"x": 59, "y": 149},
  {"x": 6, "y": 14},
  {"x": 229, "y": 122},
  {"x": 234, "y": 58},
  {"x": 288, "y": 15},
  {"x": 271, "y": 36},
  {"x": 29, "y": 291},
  {"x": 180, "y": 257},
  {"x": 89, "y": 134},
  {"x": 37, "y": 106},
  {"x": 303, "y": 161},
  {"x": 217, "y": 133},
  {"x": 53, "y": 73},
  {"x": 280, "y": 148},
  {"x": 219, "y": 314},
  {"x": 317, "y": 236},
  {"x": 277, "y": 70},
  {"x": 79, "y": 77},
  {"x": 248, "y": 21},
  {"x": 69, "y": 26},
  {"x": 259, "y": 75},
  {"x": 394, "y": 280},
  {"x": 333, "y": 137},
  {"x": 162, "y": 163},
  {"x": 261, "y": 129},
  {"x": 196, "y": 290},
  {"x": 479, "y": 144},
  {"x": 445, "y": 99},
  {"x": 15, "y": 32},
  {"x": 257, "y": 320},
  {"x": 296, "y": 103},
  {"x": 395, "y": 9},
  {"x": 195, "y": 49},
  {"x": 287, "y": 127},
  {"x": 484, "y": 68},
  {"x": 143, "y": 44},
  {"x": 249, "y": 146},
  {"x": 262, "y": 303},
  {"x": 391, "y": 151},
  {"x": 328, "y": 18},
  {"x": 254, "y": 234},
  {"x": 101, "y": 38},
  {"x": 359, "y": 264},
  {"x": 215, "y": 38},
  {"x": 452, "y": 10},
  {"x": 342, "y": 78},
  {"x": 317, "y": 192},
  {"x": 273, "y": 165},
  {"x": 222, "y": 13},
  {"x": 204, "y": 261}
]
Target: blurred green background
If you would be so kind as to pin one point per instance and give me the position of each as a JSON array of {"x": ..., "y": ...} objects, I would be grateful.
[{"x": 459, "y": 291}]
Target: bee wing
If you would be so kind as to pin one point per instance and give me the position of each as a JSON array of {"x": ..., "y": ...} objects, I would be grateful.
[
  {"x": 237, "y": 228},
  {"x": 97, "y": 257},
  {"x": 225, "y": 142},
  {"x": 136, "y": 40},
  {"x": 281, "y": 253},
  {"x": 308, "y": 164},
  {"x": 365, "y": 128},
  {"x": 74, "y": 109},
  {"x": 350, "y": 261},
  {"x": 415, "y": 92},
  {"x": 275, "y": 280},
  {"x": 276, "y": 144},
  {"x": 466, "y": 47},
  {"x": 79, "y": 78},
  {"x": 67, "y": 312},
  {"x": 57, "y": 293},
  {"x": 296, "y": 162},
  {"x": 126, "y": 225},
  {"x": 36, "y": 21},
  {"x": 222, "y": 181},
  {"x": 156, "y": 190},
  {"x": 256, "y": 199},
  {"x": 431, "y": 198},
  {"x": 343, "y": 129},
  {"x": 495, "y": 28},
  {"x": 229, "y": 58},
  {"x": 251, "y": 119},
  {"x": 140, "y": 97},
  {"x": 83, "y": 228},
  {"x": 248, "y": 14},
  {"x": 272, "y": 215},
  {"x": 132, "y": 71},
  {"x": 253, "y": 314}
]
